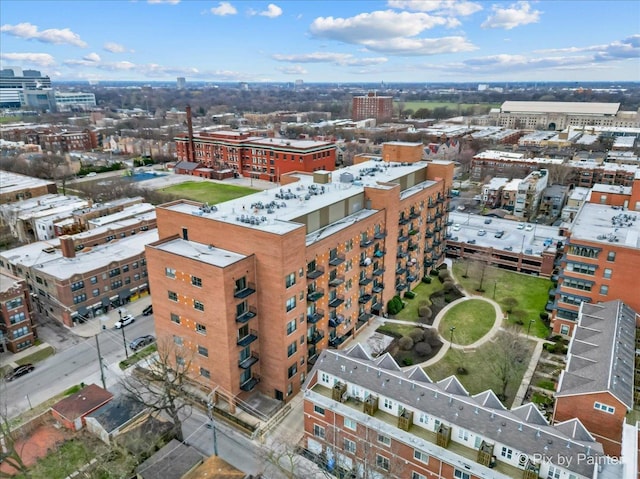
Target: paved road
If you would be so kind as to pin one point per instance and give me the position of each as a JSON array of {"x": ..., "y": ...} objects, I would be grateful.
[{"x": 72, "y": 366}]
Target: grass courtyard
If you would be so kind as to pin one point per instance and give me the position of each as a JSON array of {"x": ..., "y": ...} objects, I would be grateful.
[
  {"x": 207, "y": 192},
  {"x": 471, "y": 319},
  {"x": 525, "y": 294},
  {"x": 422, "y": 291}
]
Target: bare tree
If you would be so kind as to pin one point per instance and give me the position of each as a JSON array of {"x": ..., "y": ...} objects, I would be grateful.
[
  {"x": 161, "y": 387},
  {"x": 10, "y": 452},
  {"x": 508, "y": 351}
]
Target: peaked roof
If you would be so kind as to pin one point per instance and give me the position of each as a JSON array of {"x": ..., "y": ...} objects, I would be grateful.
[
  {"x": 83, "y": 402},
  {"x": 453, "y": 386},
  {"x": 419, "y": 374},
  {"x": 601, "y": 354},
  {"x": 358, "y": 352},
  {"x": 530, "y": 413},
  {"x": 574, "y": 429},
  {"x": 117, "y": 413},
  {"x": 386, "y": 361},
  {"x": 489, "y": 399}
]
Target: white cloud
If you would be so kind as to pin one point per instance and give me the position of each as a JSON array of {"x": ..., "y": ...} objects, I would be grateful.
[
  {"x": 169, "y": 2},
  {"x": 29, "y": 31},
  {"x": 517, "y": 14},
  {"x": 92, "y": 57},
  {"x": 442, "y": 7},
  {"x": 114, "y": 47},
  {"x": 41, "y": 59},
  {"x": 344, "y": 59},
  {"x": 421, "y": 46},
  {"x": 223, "y": 9},
  {"x": 272, "y": 11},
  {"x": 292, "y": 70}
]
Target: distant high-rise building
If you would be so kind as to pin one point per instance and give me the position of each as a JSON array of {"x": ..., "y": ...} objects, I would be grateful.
[
  {"x": 14, "y": 83},
  {"x": 181, "y": 83},
  {"x": 299, "y": 84},
  {"x": 372, "y": 106}
]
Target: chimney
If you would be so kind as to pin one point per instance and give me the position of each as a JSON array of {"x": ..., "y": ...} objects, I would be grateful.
[
  {"x": 190, "y": 149},
  {"x": 67, "y": 246}
]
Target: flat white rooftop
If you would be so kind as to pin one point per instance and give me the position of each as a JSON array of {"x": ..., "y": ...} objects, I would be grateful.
[
  {"x": 14, "y": 182},
  {"x": 7, "y": 283},
  {"x": 607, "y": 224},
  {"x": 201, "y": 252},
  {"x": 128, "y": 212},
  {"x": 568, "y": 107}
]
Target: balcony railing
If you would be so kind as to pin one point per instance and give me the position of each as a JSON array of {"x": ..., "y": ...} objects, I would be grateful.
[
  {"x": 336, "y": 260},
  {"x": 364, "y": 281},
  {"x": 377, "y": 288},
  {"x": 248, "y": 339},
  {"x": 413, "y": 246},
  {"x": 403, "y": 220},
  {"x": 336, "y": 301},
  {"x": 337, "y": 341},
  {"x": 316, "y": 316},
  {"x": 379, "y": 253},
  {"x": 315, "y": 338},
  {"x": 336, "y": 320},
  {"x": 401, "y": 254},
  {"x": 401, "y": 286},
  {"x": 403, "y": 238},
  {"x": 315, "y": 295},
  {"x": 316, "y": 273},
  {"x": 246, "y": 291},
  {"x": 364, "y": 298},
  {"x": 366, "y": 242},
  {"x": 401, "y": 270},
  {"x": 414, "y": 214},
  {"x": 246, "y": 363},
  {"x": 380, "y": 235},
  {"x": 246, "y": 315},
  {"x": 337, "y": 281},
  {"x": 250, "y": 383},
  {"x": 378, "y": 271}
]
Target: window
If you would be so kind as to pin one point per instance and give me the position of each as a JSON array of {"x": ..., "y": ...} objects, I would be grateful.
[
  {"x": 291, "y": 326},
  {"x": 318, "y": 431},
  {"x": 173, "y": 296},
  {"x": 611, "y": 256},
  {"x": 458, "y": 474},
  {"x": 175, "y": 318},
  {"x": 75, "y": 286},
  {"x": 290, "y": 280},
  {"x": 582, "y": 268},
  {"x": 607, "y": 273},
  {"x": 202, "y": 351},
  {"x": 421, "y": 456},
  {"x": 318, "y": 409},
  {"x": 350, "y": 424},
  {"x": 564, "y": 329},
  {"x": 553, "y": 473},
  {"x": 604, "y": 407},
  {"x": 382, "y": 462},
  {"x": 125, "y": 268},
  {"x": 506, "y": 452},
  {"x": 80, "y": 298},
  {"x": 604, "y": 290},
  {"x": 463, "y": 434},
  {"x": 196, "y": 281},
  {"x": 292, "y": 370},
  {"x": 386, "y": 440},
  {"x": 17, "y": 318},
  {"x": 198, "y": 305},
  {"x": 114, "y": 272},
  {"x": 416, "y": 475},
  {"x": 292, "y": 348},
  {"x": 96, "y": 292},
  {"x": 205, "y": 373},
  {"x": 291, "y": 303},
  {"x": 94, "y": 279},
  {"x": 180, "y": 361},
  {"x": 349, "y": 446},
  {"x": 178, "y": 340},
  {"x": 169, "y": 272},
  {"x": 423, "y": 418},
  {"x": 201, "y": 328},
  {"x": 387, "y": 404}
]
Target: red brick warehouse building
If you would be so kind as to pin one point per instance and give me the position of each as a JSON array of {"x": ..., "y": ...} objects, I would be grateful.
[{"x": 254, "y": 156}]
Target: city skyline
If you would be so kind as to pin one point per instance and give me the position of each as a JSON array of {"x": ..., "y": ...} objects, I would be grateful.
[{"x": 348, "y": 41}]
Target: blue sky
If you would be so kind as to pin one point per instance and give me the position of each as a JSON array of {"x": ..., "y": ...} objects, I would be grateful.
[{"x": 324, "y": 41}]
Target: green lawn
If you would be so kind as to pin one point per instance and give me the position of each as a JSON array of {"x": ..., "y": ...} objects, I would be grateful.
[
  {"x": 471, "y": 319},
  {"x": 40, "y": 355},
  {"x": 423, "y": 291},
  {"x": 64, "y": 460},
  {"x": 478, "y": 364},
  {"x": 395, "y": 329},
  {"x": 416, "y": 105},
  {"x": 527, "y": 293},
  {"x": 208, "y": 192}
]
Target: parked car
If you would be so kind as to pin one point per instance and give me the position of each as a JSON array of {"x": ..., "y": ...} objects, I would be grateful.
[
  {"x": 520, "y": 226},
  {"x": 481, "y": 232},
  {"x": 19, "y": 371},
  {"x": 487, "y": 221},
  {"x": 529, "y": 227},
  {"x": 125, "y": 321},
  {"x": 499, "y": 234},
  {"x": 456, "y": 227},
  {"x": 141, "y": 342},
  {"x": 148, "y": 310},
  {"x": 92, "y": 173},
  {"x": 471, "y": 241},
  {"x": 461, "y": 208}
]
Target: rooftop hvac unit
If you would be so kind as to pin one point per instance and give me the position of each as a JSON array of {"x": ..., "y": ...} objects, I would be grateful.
[{"x": 346, "y": 178}]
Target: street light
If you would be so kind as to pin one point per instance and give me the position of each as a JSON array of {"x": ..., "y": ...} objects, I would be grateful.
[
  {"x": 531, "y": 321},
  {"x": 452, "y": 329},
  {"x": 124, "y": 339},
  {"x": 495, "y": 285},
  {"x": 211, "y": 424}
]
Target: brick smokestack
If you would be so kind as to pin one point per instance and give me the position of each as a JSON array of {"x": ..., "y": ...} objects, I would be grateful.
[
  {"x": 190, "y": 148},
  {"x": 67, "y": 246}
]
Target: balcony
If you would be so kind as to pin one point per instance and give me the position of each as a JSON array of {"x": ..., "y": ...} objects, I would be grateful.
[
  {"x": 315, "y": 338},
  {"x": 401, "y": 254},
  {"x": 401, "y": 270},
  {"x": 246, "y": 315},
  {"x": 378, "y": 271},
  {"x": 245, "y": 292},
  {"x": 429, "y": 234},
  {"x": 366, "y": 242},
  {"x": 364, "y": 298},
  {"x": 336, "y": 281},
  {"x": 364, "y": 317},
  {"x": 413, "y": 246},
  {"x": 379, "y": 253},
  {"x": 316, "y": 273},
  {"x": 414, "y": 214},
  {"x": 403, "y": 220},
  {"x": 411, "y": 278},
  {"x": 403, "y": 238},
  {"x": 316, "y": 316},
  {"x": 414, "y": 231},
  {"x": 336, "y": 260},
  {"x": 401, "y": 286},
  {"x": 380, "y": 235},
  {"x": 336, "y": 301},
  {"x": 248, "y": 339},
  {"x": 363, "y": 281},
  {"x": 377, "y": 288},
  {"x": 337, "y": 341},
  {"x": 250, "y": 383},
  {"x": 315, "y": 294},
  {"x": 336, "y": 320},
  {"x": 440, "y": 199},
  {"x": 248, "y": 362}
]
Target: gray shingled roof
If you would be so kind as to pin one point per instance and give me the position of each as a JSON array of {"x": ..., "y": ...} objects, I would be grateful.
[
  {"x": 186, "y": 165},
  {"x": 601, "y": 353},
  {"x": 521, "y": 429}
]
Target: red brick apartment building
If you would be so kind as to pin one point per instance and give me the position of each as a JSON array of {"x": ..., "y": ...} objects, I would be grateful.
[
  {"x": 15, "y": 187},
  {"x": 256, "y": 157},
  {"x": 256, "y": 287},
  {"x": 366, "y": 417},
  {"x": 601, "y": 254},
  {"x": 17, "y": 331},
  {"x": 372, "y": 105},
  {"x": 597, "y": 385}
]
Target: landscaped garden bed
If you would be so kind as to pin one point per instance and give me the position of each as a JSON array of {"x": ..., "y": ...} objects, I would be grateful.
[{"x": 413, "y": 345}]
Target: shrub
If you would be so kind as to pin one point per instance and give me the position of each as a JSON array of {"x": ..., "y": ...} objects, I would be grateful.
[
  {"x": 431, "y": 337},
  {"x": 519, "y": 322},
  {"x": 395, "y": 305},
  {"x": 426, "y": 279},
  {"x": 409, "y": 294},
  {"x": 510, "y": 303},
  {"x": 417, "y": 335},
  {"x": 423, "y": 349},
  {"x": 544, "y": 316},
  {"x": 444, "y": 275},
  {"x": 424, "y": 312},
  {"x": 448, "y": 285},
  {"x": 423, "y": 302},
  {"x": 433, "y": 272},
  {"x": 407, "y": 362},
  {"x": 405, "y": 343},
  {"x": 547, "y": 384},
  {"x": 462, "y": 371}
]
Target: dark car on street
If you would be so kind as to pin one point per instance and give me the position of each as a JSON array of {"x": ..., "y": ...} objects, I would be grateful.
[
  {"x": 141, "y": 342},
  {"x": 19, "y": 371},
  {"x": 147, "y": 311}
]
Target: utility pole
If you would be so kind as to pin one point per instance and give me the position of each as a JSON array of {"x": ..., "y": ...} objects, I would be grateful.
[
  {"x": 213, "y": 427},
  {"x": 100, "y": 362},
  {"x": 124, "y": 339}
]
